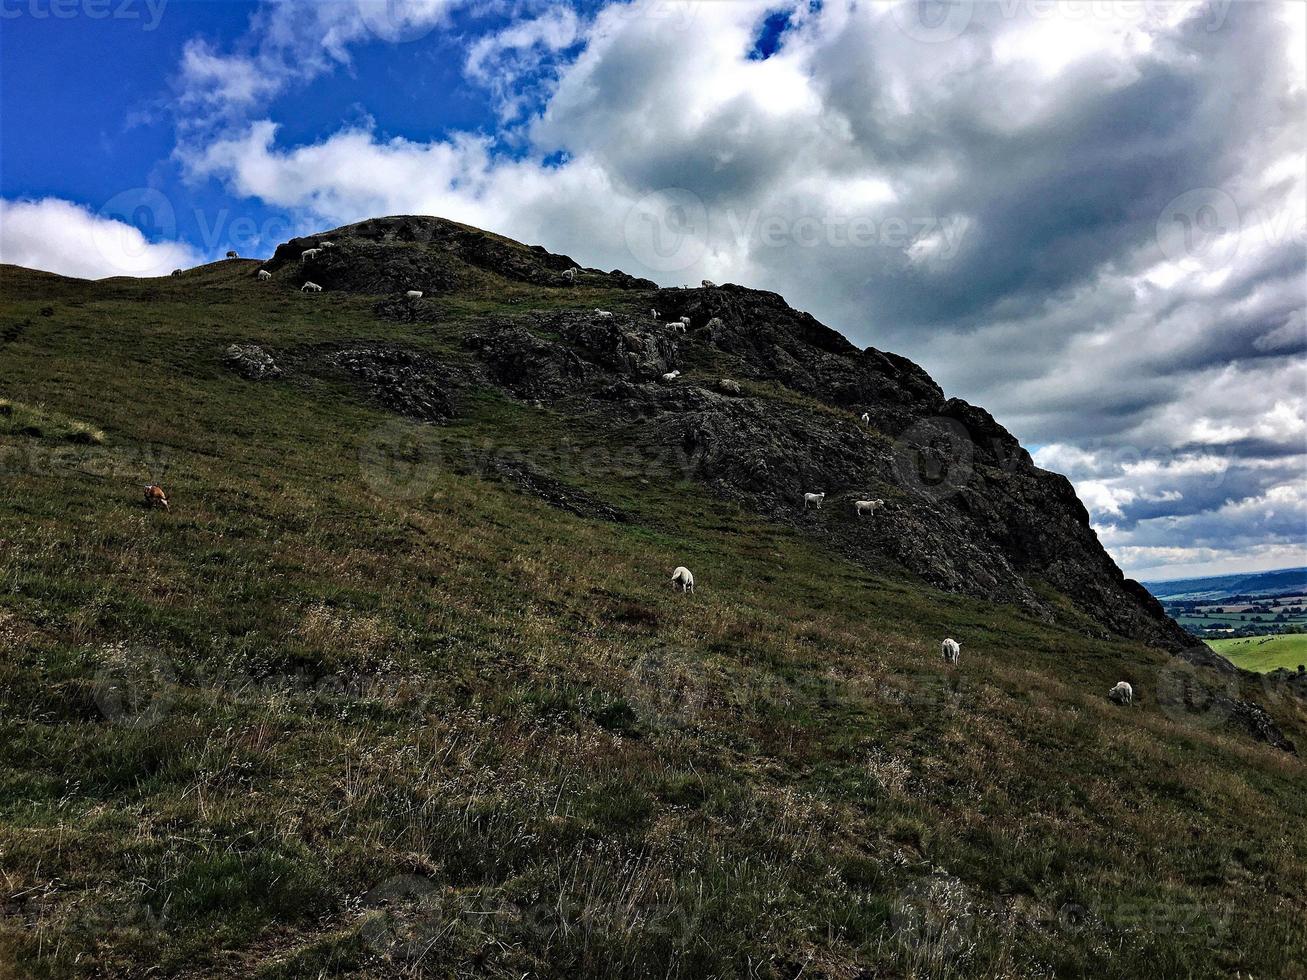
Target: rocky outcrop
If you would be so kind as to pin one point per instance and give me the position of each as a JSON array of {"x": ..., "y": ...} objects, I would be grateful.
[
  {"x": 966, "y": 508},
  {"x": 404, "y": 382},
  {"x": 252, "y": 362},
  {"x": 529, "y": 367},
  {"x": 520, "y": 359}
]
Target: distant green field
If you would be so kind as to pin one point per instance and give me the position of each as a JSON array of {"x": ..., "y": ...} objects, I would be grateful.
[{"x": 1264, "y": 653}]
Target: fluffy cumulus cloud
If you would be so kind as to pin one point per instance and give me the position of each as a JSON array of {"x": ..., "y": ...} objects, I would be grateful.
[
  {"x": 1089, "y": 217},
  {"x": 63, "y": 237}
]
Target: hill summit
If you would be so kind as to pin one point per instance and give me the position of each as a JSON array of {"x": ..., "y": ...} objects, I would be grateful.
[{"x": 965, "y": 508}]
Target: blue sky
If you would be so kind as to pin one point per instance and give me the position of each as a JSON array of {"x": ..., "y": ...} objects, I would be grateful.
[
  {"x": 102, "y": 95},
  {"x": 1090, "y": 218}
]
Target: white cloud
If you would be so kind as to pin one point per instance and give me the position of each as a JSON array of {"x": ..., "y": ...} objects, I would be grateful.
[
  {"x": 59, "y": 236},
  {"x": 505, "y": 61},
  {"x": 290, "y": 43}
]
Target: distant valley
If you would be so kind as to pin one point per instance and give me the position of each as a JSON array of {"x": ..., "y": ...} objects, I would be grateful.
[{"x": 1258, "y": 620}]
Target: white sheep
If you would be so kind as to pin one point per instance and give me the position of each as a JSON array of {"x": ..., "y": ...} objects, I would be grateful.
[
  {"x": 730, "y": 387},
  {"x": 1123, "y": 693},
  {"x": 654, "y": 314},
  {"x": 813, "y": 498},
  {"x": 571, "y": 274},
  {"x": 685, "y": 320},
  {"x": 326, "y": 244},
  {"x": 682, "y": 576},
  {"x": 413, "y": 294},
  {"x": 232, "y": 254},
  {"x": 861, "y": 507},
  {"x": 265, "y": 274},
  {"x": 604, "y": 314},
  {"x": 671, "y": 376},
  {"x": 866, "y": 418},
  {"x": 310, "y": 253},
  {"x": 951, "y": 650},
  {"x": 708, "y": 284},
  {"x": 310, "y": 287}
]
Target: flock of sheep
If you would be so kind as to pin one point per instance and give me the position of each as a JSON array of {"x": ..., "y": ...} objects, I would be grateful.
[{"x": 950, "y": 649}]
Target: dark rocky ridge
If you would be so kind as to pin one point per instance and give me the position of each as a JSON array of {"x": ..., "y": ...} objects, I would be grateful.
[
  {"x": 396, "y": 254},
  {"x": 966, "y": 508}
]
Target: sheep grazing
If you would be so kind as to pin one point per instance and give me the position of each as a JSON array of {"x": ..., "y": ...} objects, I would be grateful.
[
  {"x": 813, "y": 499},
  {"x": 730, "y": 387},
  {"x": 309, "y": 253},
  {"x": 708, "y": 284},
  {"x": 685, "y": 320},
  {"x": 866, "y": 418},
  {"x": 176, "y": 272},
  {"x": 681, "y": 576},
  {"x": 232, "y": 254},
  {"x": 951, "y": 650},
  {"x": 310, "y": 287},
  {"x": 265, "y": 274},
  {"x": 413, "y": 294},
  {"x": 155, "y": 497},
  {"x": 671, "y": 376},
  {"x": 604, "y": 314},
  {"x": 861, "y": 507},
  {"x": 677, "y": 326},
  {"x": 326, "y": 244},
  {"x": 1123, "y": 693},
  {"x": 571, "y": 274}
]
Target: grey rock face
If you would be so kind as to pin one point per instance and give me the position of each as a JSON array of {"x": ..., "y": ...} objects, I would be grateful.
[
  {"x": 404, "y": 382},
  {"x": 252, "y": 362}
]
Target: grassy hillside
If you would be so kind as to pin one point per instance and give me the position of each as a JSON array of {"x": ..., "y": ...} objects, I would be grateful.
[
  {"x": 1264, "y": 653},
  {"x": 355, "y": 706}
]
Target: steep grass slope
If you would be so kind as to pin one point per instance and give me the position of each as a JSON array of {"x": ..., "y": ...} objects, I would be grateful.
[{"x": 383, "y": 699}]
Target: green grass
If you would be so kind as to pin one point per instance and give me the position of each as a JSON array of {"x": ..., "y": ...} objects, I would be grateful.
[
  {"x": 328, "y": 718},
  {"x": 33, "y": 421},
  {"x": 1264, "y": 653}
]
